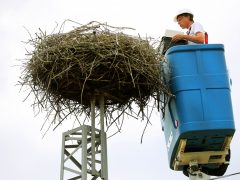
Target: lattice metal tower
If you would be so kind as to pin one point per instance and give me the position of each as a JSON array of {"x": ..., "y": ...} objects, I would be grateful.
[{"x": 84, "y": 149}]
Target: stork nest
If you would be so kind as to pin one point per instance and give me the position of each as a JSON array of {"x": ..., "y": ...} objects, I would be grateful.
[{"x": 69, "y": 69}]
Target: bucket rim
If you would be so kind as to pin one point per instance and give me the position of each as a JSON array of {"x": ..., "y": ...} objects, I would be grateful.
[{"x": 194, "y": 47}]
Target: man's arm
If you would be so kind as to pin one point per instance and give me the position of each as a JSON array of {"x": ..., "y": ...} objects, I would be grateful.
[{"x": 198, "y": 38}]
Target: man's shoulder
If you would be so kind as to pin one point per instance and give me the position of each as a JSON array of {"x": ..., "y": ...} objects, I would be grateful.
[{"x": 196, "y": 26}]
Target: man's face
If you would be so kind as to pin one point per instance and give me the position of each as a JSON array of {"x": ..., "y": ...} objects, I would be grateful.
[{"x": 183, "y": 21}]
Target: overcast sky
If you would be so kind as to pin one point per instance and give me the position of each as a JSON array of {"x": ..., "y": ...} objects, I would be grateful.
[{"x": 26, "y": 156}]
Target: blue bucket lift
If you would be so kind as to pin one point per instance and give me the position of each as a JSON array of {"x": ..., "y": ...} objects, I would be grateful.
[{"x": 198, "y": 123}]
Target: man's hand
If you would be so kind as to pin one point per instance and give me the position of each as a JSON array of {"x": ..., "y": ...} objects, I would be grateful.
[
  {"x": 178, "y": 37},
  {"x": 198, "y": 38}
]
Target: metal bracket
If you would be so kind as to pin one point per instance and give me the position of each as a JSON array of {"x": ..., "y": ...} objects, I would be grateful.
[
  {"x": 195, "y": 173},
  {"x": 202, "y": 157}
]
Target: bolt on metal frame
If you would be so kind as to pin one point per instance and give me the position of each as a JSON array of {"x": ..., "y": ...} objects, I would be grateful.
[{"x": 195, "y": 173}]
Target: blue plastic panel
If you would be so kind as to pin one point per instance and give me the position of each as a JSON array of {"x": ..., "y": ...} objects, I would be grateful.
[{"x": 201, "y": 110}]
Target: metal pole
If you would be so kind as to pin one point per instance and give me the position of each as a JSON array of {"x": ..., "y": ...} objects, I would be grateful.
[
  {"x": 101, "y": 104},
  {"x": 104, "y": 172},
  {"x": 84, "y": 153},
  {"x": 93, "y": 134},
  {"x": 105, "y": 164},
  {"x": 62, "y": 157}
]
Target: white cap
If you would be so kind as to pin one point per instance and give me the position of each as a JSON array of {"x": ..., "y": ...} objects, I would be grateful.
[{"x": 182, "y": 11}]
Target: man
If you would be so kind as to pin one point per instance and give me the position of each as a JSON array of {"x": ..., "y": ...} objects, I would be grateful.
[{"x": 195, "y": 33}]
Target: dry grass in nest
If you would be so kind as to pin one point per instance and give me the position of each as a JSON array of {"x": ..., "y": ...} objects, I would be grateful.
[{"x": 65, "y": 70}]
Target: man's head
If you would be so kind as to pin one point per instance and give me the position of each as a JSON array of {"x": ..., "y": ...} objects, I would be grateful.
[{"x": 184, "y": 18}]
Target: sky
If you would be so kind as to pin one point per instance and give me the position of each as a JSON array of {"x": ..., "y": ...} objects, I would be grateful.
[{"x": 26, "y": 155}]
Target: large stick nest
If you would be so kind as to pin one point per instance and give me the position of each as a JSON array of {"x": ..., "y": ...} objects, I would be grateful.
[{"x": 68, "y": 69}]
